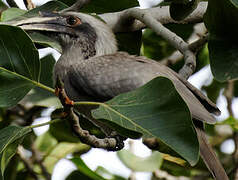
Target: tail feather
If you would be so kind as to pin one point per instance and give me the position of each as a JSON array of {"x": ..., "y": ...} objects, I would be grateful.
[{"x": 210, "y": 158}]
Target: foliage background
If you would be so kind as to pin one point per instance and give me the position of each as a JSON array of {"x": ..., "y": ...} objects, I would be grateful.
[{"x": 222, "y": 134}]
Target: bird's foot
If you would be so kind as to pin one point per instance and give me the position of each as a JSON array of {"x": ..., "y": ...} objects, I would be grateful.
[
  {"x": 65, "y": 100},
  {"x": 119, "y": 143}
]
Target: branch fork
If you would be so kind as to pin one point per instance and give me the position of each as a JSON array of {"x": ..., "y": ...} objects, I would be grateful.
[{"x": 114, "y": 143}]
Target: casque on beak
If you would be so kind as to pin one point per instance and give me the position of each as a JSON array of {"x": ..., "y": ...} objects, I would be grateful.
[{"x": 46, "y": 21}]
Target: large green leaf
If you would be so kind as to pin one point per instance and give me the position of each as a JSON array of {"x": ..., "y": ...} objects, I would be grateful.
[
  {"x": 2, "y": 7},
  {"x": 8, "y": 153},
  {"x": 19, "y": 65},
  {"x": 60, "y": 151},
  {"x": 155, "y": 110},
  {"x": 104, "y": 6},
  {"x": 84, "y": 170},
  {"x": 221, "y": 19},
  {"x": 10, "y": 138},
  {"x": 45, "y": 41},
  {"x": 41, "y": 97},
  {"x": 136, "y": 163},
  {"x": 50, "y": 6},
  {"x": 106, "y": 174},
  {"x": 11, "y": 133},
  {"x": 11, "y": 13},
  {"x": 223, "y": 54}
]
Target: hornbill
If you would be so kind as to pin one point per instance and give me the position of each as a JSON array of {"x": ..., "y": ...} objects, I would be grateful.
[{"x": 91, "y": 68}]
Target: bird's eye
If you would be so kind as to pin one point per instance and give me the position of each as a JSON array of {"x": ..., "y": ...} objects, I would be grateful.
[{"x": 73, "y": 21}]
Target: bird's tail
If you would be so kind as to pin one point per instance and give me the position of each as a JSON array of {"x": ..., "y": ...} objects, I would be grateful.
[{"x": 210, "y": 158}]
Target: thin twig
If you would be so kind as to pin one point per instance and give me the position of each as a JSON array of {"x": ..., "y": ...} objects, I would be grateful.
[
  {"x": 161, "y": 14},
  {"x": 176, "y": 41},
  {"x": 39, "y": 160},
  {"x": 228, "y": 93},
  {"x": 111, "y": 143},
  {"x": 159, "y": 174},
  {"x": 28, "y": 164},
  {"x": 29, "y": 4}
]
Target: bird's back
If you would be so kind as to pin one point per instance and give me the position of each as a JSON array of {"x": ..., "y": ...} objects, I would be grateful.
[{"x": 103, "y": 77}]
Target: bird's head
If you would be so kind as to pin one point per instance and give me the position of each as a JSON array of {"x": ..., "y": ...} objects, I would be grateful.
[{"x": 81, "y": 33}]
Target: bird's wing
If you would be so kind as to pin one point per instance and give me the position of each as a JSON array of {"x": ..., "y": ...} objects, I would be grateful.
[{"x": 107, "y": 76}]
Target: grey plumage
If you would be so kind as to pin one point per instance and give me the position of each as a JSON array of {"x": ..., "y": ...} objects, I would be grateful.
[{"x": 92, "y": 69}]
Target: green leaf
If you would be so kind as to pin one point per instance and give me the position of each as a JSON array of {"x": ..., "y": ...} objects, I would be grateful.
[
  {"x": 179, "y": 10},
  {"x": 10, "y": 138},
  {"x": 106, "y": 174},
  {"x": 218, "y": 18},
  {"x": 45, "y": 142},
  {"x": 105, "y": 6},
  {"x": 39, "y": 96},
  {"x": 50, "y": 6},
  {"x": 221, "y": 21},
  {"x": 8, "y": 153},
  {"x": 56, "y": 130},
  {"x": 136, "y": 163},
  {"x": 12, "y": 88},
  {"x": 10, "y": 134},
  {"x": 223, "y": 58},
  {"x": 83, "y": 169},
  {"x": 45, "y": 41},
  {"x": 19, "y": 65},
  {"x": 11, "y": 13},
  {"x": 60, "y": 151},
  {"x": 155, "y": 110},
  {"x": 3, "y": 7}
]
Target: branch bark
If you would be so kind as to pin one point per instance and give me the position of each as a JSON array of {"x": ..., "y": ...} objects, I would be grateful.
[
  {"x": 29, "y": 4},
  {"x": 161, "y": 14},
  {"x": 176, "y": 41},
  {"x": 108, "y": 143}
]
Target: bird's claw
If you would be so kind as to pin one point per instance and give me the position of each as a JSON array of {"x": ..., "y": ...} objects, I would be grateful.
[
  {"x": 65, "y": 100},
  {"x": 119, "y": 143}
]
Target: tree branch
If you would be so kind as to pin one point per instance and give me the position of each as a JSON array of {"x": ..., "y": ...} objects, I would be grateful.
[
  {"x": 161, "y": 14},
  {"x": 39, "y": 160},
  {"x": 108, "y": 143},
  {"x": 176, "y": 41},
  {"x": 29, "y": 4},
  {"x": 28, "y": 164}
]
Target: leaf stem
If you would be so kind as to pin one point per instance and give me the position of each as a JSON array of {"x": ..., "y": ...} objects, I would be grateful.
[
  {"x": 30, "y": 80},
  {"x": 46, "y": 123},
  {"x": 88, "y": 103},
  {"x": 44, "y": 87}
]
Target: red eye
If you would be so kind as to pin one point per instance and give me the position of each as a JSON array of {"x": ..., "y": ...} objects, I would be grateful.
[{"x": 73, "y": 21}]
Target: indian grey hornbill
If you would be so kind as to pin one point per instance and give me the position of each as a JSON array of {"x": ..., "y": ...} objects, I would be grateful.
[{"x": 91, "y": 68}]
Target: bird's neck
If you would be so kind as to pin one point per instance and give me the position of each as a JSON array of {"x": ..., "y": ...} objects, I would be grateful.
[{"x": 83, "y": 51}]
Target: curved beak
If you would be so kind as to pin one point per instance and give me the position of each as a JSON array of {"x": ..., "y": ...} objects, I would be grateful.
[{"x": 48, "y": 22}]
